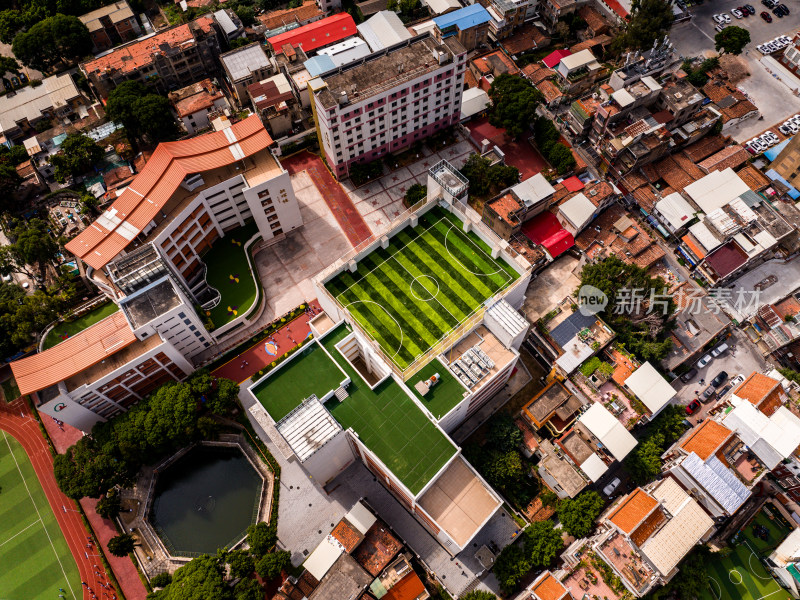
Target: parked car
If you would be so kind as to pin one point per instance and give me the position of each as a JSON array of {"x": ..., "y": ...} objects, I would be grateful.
[
  {"x": 707, "y": 394},
  {"x": 737, "y": 13},
  {"x": 737, "y": 379},
  {"x": 777, "y": 12},
  {"x": 718, "y": 19},
  {"x": 784, "y": 129},
  {"x": 750, "y": 8},
  {"x": 719, "y": 350},
  {"x": 724, "y": 390},
  {"x": 766, "y": 16},
  {"x": 6, "y": 84},
  {"x": 689, "y": 375},
  {"x": 784, "y": 8},
  {"x": 704, "y": 361},
  {"x": 771, "y": 136},
  {"x": 719, "y": 379},
  {"x": 693, "y": 407},
  {"x": 15, "y": 81},
  {"x": 609, "y": 489},
  {"x": 23, "y": 78}
]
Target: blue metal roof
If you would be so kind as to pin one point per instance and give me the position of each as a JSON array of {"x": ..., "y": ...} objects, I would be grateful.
[
  {"x": 794, "y": 194},
  {"x": 463, "y": 18},
  {"x": 773, "y": 152},
  {"x": 319, "y": 64}
]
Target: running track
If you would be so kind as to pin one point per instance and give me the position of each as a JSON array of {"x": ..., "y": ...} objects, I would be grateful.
[
  {"x": 287, "y": 337},
  {"x": 16, "y": 419},
  {"x": 348, "y": 217}
]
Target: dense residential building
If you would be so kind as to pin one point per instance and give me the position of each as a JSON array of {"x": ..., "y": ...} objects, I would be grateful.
[
  {"x": 470, "y": 25},
  {"x": 578, "y": 72},
  {"x": 791, "y": 56},
  {"x": 111, "y": 25},
  {"x": 787, "y": 163},
  {"x": 506, "y": 213},
  {"x": 170, "y": 59},
  {"x": 197, "y": 104},
  {"x": 58, "y": 100},
  {"x": 388, "y": 101},
  {"x": 148, "y": 253},
  {"x": 289, "y": 18},
  {"x": 273, "y": 100},
  {"x": 243, "y": 67}
]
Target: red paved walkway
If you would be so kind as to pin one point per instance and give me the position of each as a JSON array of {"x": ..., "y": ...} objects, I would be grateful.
[
  {"x": 348, "y": 217},
  {"x": 519, "y": 154},
  {"x": 16, "y": 419},
  {"x": 258, "y": 356}
]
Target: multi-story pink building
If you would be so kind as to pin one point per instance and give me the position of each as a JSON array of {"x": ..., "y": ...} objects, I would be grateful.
[{"x": 388, "y": 100}]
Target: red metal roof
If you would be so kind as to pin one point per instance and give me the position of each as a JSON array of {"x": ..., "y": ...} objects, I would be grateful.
[
  {"x": 552, "y": 59},
  {"x": 73, "y": 355},
  {"x": 573, "y": 184},
  {"x": 171, "y": 162},
  {"x": 317, "y": 34},
  {"x": 545, "y": 229},
  {"x": 726, "y": 259}
]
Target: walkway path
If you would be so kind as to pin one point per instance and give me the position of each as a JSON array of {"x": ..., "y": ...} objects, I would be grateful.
[
  {"x": 16, "y": 419},
  {"x": 248, "y": 363},
  {"x": 349, "y": 219}
]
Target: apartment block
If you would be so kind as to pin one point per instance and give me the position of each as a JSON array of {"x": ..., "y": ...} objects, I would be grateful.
[
  {"x": 217, "y": 194},
  {"x": 243, "y": 67},
  {"x": 470, "y": 25},
  {"x": 387, "y": 101},
  {"x": 169, "y": 60},
  {"x": 111, "y": 25}
]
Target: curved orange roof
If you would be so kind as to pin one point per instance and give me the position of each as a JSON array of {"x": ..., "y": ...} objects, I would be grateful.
[
  {"x": 139, "y": 203},
  {"x": 74, "y": 354}
]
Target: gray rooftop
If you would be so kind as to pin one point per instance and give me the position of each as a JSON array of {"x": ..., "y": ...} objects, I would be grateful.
[
  {"x": 718, "y": 481},
  {"x": 570, "y": 327},
  {"x": 389, "y": 68},
  {"x": 240, "y": 63},
  {"x": 150, "y": 303},
  {"x": 345, "y": 580}
]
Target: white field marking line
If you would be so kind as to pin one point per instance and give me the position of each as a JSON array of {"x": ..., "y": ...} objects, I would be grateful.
[
  {"x": 730, "y": 577},
  {"x": 770, "y": 594},
  {"x": 463, "y": 266},
  {"x": 750, "y": 561},
  {"x": 439, "y": 302},
  {"x": 21, "y": 532},
  {"x": 47, "y": 533},
  {"x": 719, "y": 587},
  {"x": 418, "y": 278},
  {"x": 383, "y": 308}
]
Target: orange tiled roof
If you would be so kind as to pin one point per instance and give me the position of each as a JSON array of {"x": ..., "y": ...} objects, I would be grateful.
[
  {"x": 171, "y": 162},
  {"x": 549, "y": 90},
  {"x": 74, "y": 354},
  {"x": 648, "y": 527},
  {"x": 527, "y": 37},
  {"x": 548, "y": 587},
  {"x": 593, "y": 19},
  {"x": 756, "y": 388},
  {"x": 732, "y": 157},
  {"x": 704, "y": 147},
  {"x": 706, "y": 439},
  {"x": 754, "y": 178},
  {"x": 537, "y": 72},
  {"x": 347, "y": 535},
  {"x": 195, "y": 97},
  {"x": 485, "y": 66},
  {"x": 632, "y": 510},
  {"x": 277, "y": 18},
  {"x": 409, "y": 587},
  {"x": 504, "y": 205},
  {"x": 469, "y": 79}
]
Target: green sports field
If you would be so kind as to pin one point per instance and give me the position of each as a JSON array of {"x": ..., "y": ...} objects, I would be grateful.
[
  {"x": 428, "y": 280},
  {"x": 68, "y": 328},
  {"x": 741, "y": 575},
  {"x": 35, "y": 559}
]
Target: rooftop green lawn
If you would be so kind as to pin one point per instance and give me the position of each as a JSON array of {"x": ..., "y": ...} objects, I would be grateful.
[
  {"x": 389, "y": 423},
  {"x": 309, "y": 372},
  {"x": 229, "y": 272},
  {"x": 428, "y": 281},
  {"x": 443, "y": 396},
  {"x": 778, "y": 530},
  {"x": 67, "y": 329},
  {"x": 35, "y": 557},
  {"x": 740, "y": 576}
]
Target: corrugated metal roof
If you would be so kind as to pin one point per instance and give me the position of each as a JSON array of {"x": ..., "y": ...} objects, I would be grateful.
[
  {"x": 308, "y": 427},
  {"x": 73, "y": 355},
  {"x": 570, "y": 327},
  {"x": 317, "y": 34},
  {"x": 513, "y": 322},
  {"x": 718, "y": 481},
  {"x": 150, "y": 191},
  {"x": 382, "y": 30},
  {"x": 464, "y": 18}
]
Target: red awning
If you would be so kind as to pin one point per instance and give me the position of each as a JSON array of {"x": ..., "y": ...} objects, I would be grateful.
[
  {"x": 552, "y": 59},
  {"x": 545, "y": 230}
]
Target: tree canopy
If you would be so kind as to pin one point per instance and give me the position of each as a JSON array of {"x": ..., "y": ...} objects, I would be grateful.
[
  {"x": 241, "y": 562},
  {"x": 478, "y": 595},
  {"x": 577, "y": 515},
  {"x": 548, "y": 140},
  {"x": 414, "y": 194},
  {"x": 9, "y": 183},
  {"x": 31, "y": 250},
  {"x": 142, "y": 112},
  {"x": 78, "y": 155},
  {"x": 121, "y": 545},
  {"x": 732, "y": 39},
  {"x": 200, "y": 579},
  {"x": 541, "y": 542},
  {"x": 644, "y": 461},
  {"x": 514, "y": 102},
  {"x": 23, "y": 316},
  {"x": 261, "y": 538},
  {"x": 650, "y": 20},
  {"x": 486, "y": 179},
  {"x": 639, "y": 309},
  {"x": 271, "y": 565},
  {"x": 503, "y": 434},
  {"x": 51, "y": 40},
  {"x": 157, "y": 426}
]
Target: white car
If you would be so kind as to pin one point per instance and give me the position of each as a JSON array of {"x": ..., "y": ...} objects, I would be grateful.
[
  {"x": 719, "y": 19},
  {"x": 725, "y": 16},
  {"x": 737, "y": 13},
  {"x": 795, "y": 119},
  {"x": 785, "y": 129},
  {"x": 785, "y": 39},
  {"x": 703, "y": 361},
  {"x": 609, "y": 489},
  {"x": 737, "y": 380},
  {"x": 771, "y": 136},
  {"x": 757, "y": 145},
  {"x": 793, "y": 126}
]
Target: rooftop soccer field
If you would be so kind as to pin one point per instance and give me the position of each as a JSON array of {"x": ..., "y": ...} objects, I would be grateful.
[
  {"x": 429, "y": 280},
  {"x": 34, "y": 555}
]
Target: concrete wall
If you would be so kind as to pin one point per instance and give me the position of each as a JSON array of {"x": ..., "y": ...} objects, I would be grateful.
[{"x": 330, "y": 460}]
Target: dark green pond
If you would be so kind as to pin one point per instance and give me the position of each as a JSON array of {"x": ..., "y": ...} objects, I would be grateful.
[{"x": 205, "y": 500}]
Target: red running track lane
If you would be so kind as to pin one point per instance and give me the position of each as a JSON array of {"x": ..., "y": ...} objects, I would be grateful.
[
  {"x": 348, "y": 217},
  {"x": 16, "y": 419},
  {"x": 255, "y": 358},
  {"x": 124, "y": 570}
]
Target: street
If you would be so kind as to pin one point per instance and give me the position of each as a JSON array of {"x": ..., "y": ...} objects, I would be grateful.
[{"x": 773, "y": 98}]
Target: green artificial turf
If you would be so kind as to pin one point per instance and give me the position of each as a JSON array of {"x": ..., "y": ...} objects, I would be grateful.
[
  {"x": 308, "y": 372},
  {"x": 70, "y": 328},
  {"x": 389, "y": 423},
  {"x": 741, "y": 575},
  {"x": 227, "y": 262},
  {"x": 443, "y": 396},
  {"x": 429, "y": 279},
  {"x": 34, "y": 555}
]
